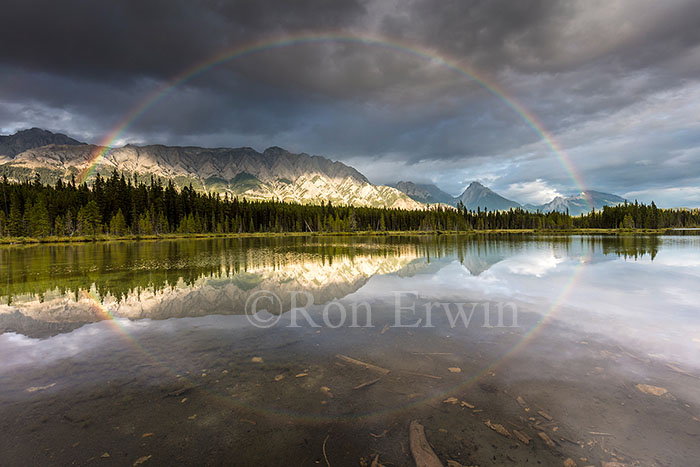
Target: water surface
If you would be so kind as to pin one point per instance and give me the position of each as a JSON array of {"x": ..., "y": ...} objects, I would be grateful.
[{"x": 137, "y": 349}]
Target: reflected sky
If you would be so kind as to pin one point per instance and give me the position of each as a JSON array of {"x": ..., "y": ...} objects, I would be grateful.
[
  {"x": 650, "y": 304},
  {"x": 640, "y": 292}
]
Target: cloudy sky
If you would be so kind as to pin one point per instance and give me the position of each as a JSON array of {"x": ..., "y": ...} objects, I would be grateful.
[{"x": 615, "y": 82}]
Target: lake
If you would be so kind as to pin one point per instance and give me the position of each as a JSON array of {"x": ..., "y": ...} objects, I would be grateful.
[{"x": 508, "y": 349}]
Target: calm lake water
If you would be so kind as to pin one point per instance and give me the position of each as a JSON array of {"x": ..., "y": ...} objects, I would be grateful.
[{"x": 510, "y": 350}]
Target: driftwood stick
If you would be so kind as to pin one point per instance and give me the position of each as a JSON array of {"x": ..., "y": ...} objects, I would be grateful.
[
  {"x": 180, "y": 392},
  {"x": 424, "y": 375},
  {"x": 325, "y": 457},
  {"x": 423, "y": 454},
  {"x": 367, "y": 366},
  {"x": 368, "y": 383},
  {"x": 432, "y": 353}
]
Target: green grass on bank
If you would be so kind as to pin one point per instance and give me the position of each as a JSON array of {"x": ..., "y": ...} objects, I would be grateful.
[{"x": 545, "y": 232}]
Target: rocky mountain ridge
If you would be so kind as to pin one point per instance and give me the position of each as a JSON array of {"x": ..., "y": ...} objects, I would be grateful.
[
  {"x": 272, "y": 174},
  {"x": 11, "y": 145}
]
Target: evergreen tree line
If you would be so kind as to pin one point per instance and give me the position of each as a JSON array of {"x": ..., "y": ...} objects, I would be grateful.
[
  {"x": 118, "y": 206},
  {"x": 640, "y": 216}
]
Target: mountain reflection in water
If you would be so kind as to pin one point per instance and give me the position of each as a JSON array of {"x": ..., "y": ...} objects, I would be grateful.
[{"x": 51, "y": 289}]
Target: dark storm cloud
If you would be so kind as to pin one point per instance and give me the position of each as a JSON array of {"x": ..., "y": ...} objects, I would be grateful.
[
  {"x": 112, "y": 39},
  {"x": 545, "y": 36},
  {"x": 585, "y": 69}
]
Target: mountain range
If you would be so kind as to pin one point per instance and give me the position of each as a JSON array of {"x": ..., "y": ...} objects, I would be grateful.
[
  {"x": 578, "y": 204},
  {"x": 477, "y": 195},
  {"x": 273, "y": 174}
]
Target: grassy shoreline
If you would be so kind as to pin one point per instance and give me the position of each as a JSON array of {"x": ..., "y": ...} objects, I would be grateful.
[{"x": 543, "y": 232}]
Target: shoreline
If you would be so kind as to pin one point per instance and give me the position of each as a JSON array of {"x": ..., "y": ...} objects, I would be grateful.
[{"x": 15, "y": 241}]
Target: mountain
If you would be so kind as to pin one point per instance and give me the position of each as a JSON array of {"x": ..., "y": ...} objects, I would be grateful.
[
  {"x": 425, "y": 193},
  {"x": 272, "y": 174},
  {"x": 477, "y": 195},
  {"x": 580, "y": 203},
  {"x": 11, "y": 145}
]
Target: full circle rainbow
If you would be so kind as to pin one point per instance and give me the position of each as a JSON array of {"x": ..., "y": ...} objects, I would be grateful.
[
  {"x": 369, "y": 40},
  {"x": 363, "y": 39}
]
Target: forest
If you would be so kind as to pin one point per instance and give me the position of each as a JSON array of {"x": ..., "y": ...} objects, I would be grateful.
[{"x": 118, "y": 206}]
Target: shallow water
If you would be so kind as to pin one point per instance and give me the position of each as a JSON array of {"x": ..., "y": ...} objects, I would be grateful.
[{"x": 113, "y": 352}]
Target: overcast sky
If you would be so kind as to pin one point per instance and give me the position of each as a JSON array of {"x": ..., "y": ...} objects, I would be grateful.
[{"x": 616, "y": 82}]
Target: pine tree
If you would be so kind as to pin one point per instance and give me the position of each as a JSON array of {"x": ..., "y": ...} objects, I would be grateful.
[
  {"x": 39, "y": 224},
  {"x": 26, "y": 218},
  {"x": 89, "y": 221},
  {"x": 15, "y": 223},
  {"x": 145, "y": 225},
  {"x": 59, "y": 226},
  {"x": 162, "y": 226},
  {"x": 352, "y": 224},
  {"x": 70, "y": 227},
  {"x": 117, "y": 226}
]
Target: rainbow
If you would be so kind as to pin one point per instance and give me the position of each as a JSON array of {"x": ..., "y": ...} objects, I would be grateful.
[
  {"x": 434, "y": 57},
  {"x": 108, "y": 142}
]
